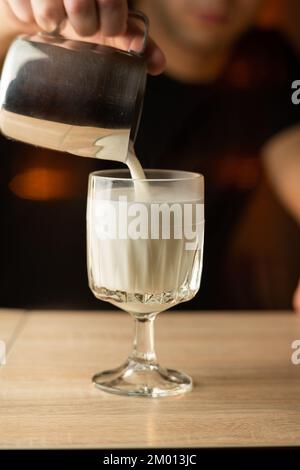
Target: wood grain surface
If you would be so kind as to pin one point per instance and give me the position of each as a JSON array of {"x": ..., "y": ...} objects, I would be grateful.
[{"x": 246, "y": 393}]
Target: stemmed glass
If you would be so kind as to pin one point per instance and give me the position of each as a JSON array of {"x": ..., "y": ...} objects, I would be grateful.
[{"x": 144, "y": 255}]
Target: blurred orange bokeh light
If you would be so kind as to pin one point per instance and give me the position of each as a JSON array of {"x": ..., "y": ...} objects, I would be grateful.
[{"x": 43, "y": 184}]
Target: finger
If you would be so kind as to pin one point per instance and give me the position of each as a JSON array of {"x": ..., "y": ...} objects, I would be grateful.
[
  {"x": 22, "y": 10},
  {"x": 133, "y": 40},
  {"x": 83, "y": 16},
  {"x": 48, "y": 14},
  {"x": 113, "y": 16},
  {"x": 156, "y": 60}
]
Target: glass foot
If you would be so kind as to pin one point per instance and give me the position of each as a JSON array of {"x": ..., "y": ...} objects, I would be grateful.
[{"x": 143, "y": 380}]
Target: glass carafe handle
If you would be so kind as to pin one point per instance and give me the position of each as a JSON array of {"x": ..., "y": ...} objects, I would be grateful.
[{"x": 139, "y": 15}]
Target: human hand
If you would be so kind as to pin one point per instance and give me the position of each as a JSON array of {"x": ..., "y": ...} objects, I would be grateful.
[{"x": 104, "y": 21}]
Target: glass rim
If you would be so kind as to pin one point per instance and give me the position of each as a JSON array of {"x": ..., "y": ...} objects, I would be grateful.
[{"x": 189, "y": 175}]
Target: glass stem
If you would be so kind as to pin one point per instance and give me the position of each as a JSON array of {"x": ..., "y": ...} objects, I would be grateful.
[{"x": 143, "y": 344}]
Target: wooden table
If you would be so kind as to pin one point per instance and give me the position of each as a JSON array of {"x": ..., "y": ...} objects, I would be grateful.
[{"x": 247, "y": 391}]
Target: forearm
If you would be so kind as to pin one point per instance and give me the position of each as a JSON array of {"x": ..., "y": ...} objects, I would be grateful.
[
  {"x": 281, "y": 158},
  {"x": 282, "y": 163}
]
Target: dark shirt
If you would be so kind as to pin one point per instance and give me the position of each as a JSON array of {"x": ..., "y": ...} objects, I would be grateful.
[{"x": 217, "y": 129}]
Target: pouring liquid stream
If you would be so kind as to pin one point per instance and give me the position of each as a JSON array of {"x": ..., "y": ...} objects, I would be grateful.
[{"x": 141, "y": 187}]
